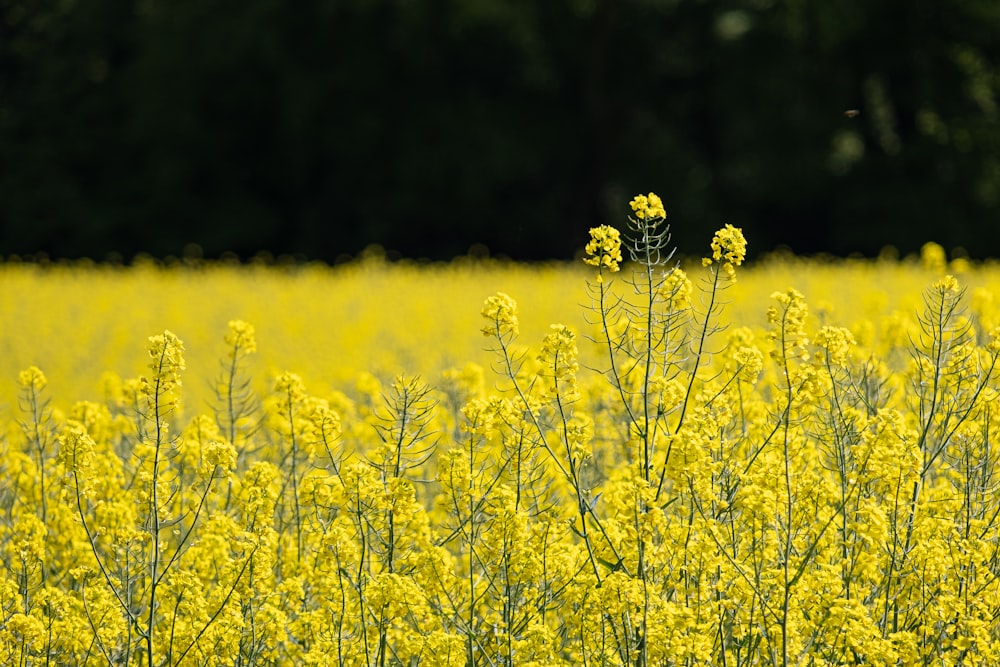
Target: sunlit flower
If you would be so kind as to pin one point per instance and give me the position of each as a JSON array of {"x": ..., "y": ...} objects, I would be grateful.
[
  {"x": 501, "y": 312},
  {"x": 750, "y": 362},
  {"x": 729, "y": 247},
  {"x": 218, "y": 459},
  {"x": 676, "y": 289},
  {"x": 559, "y": 361},
  {"x": 240, "y": 337},
  {"x": 604, "y": 248},
  {"x": 947, "y": 285},
  {"x": 647, "y": 207},
  {"x": 933, "y": 257},
  {"x": 161, "y": 390},
  {"x": 32, "y": 378},
  {"x": 837, "y": 342},
  {"x": 788, "y": 325}
]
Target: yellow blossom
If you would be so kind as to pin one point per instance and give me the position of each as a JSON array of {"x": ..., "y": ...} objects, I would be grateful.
[
  {"x": 32, "y": 378},
  {"x": 676, "y": 289},
  {"x": 993, "y": 346},
  {"x": 240, "y": 337},
  {"x": 167, "y": 361},
  {"x": 837, "y": 342},
  {"x": 604, "y": 248},
  {"x": 947, "y": 285},
  {"x": 750, "y": 362},
  {"x": 559, "y": 361},
  {"x": 501, "y": 312},
  {"x": 219, "y": 457},
  {"x": 647, "y": 207},
  {"x": 788, "y": 325},
  {"x": 729, "y": 247},
  {"x": 933, "y": 257}
]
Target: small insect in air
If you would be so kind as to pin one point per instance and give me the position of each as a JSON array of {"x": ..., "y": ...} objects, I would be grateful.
[{"x": 852, "y": 113}]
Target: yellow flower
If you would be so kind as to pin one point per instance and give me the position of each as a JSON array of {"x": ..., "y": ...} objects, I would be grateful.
[
  {"x": 27, "y": 629},
  {"x": 25, "y": 547},
  {"x": 647, "y": 207},
  {"x": 947, "y": 285},
  {"x": 259, "y": 488},
  {"x": 501, "y": 310},
  {"x": 218, "y": 458},
  {"x": 750, "y": 362},
  {"x": 788, "y": 322},
  {"x": 559, "y": 361},
  {"x": 605, "y": 247},
  {"x": 837, "y": 341},
  {"x": 240, "y": 338},
  {"x": 676, "y": 289},
  {"x": 579, "y": 433},
  {"x": 32, "y": 378},
  {"x": 289, "y": 389},
  {"x": 167, "y": 353},
  {"x": 76, "y": 447},
  {"x": 993, "y": 346},
  {"x": 729, "y": 247},
  {"x": 933, "y": 257},
  {"x": 480, "y": 416},
  {"x": 323, "y": 423}
]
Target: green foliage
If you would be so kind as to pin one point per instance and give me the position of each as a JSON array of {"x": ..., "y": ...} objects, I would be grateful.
[{"x": 428, "y": 126}]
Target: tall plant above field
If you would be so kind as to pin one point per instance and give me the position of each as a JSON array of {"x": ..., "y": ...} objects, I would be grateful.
[
  {"x": 657, "y": 339},
  {"x": 655, "y": 336}
]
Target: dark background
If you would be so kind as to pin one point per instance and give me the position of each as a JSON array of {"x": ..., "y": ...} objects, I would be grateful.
[{"x": 317, "y": 127}]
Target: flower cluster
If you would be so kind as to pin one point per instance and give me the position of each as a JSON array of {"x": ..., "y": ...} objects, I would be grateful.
[
  {"x": 836, "y": 343},
  {"x": 647, "y": 207},
  {"x": 729, "y": 247},
  {"x": 161, "y": 391},
  {"x": 604, "y": 248},
  {"x": 32, "y": 378},
  {"x": 788, "y": 326},
  {"x": 500, "y": 310},
  {"x": 559, "y": 361},
  {"x": 240, "y": 338}
]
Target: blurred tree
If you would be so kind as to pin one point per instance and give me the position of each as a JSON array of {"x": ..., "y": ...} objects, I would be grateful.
[{"x": 322, "y": 126}]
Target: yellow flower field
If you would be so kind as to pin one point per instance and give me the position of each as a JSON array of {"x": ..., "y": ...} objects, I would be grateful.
[{"x": 624, "y": 461}]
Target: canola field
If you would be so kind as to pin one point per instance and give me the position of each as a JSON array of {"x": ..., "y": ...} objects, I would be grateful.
[{"x": 624, "y": 461}]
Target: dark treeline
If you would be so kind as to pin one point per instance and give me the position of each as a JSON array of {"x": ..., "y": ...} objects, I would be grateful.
[{"x": 318, "y": 127}]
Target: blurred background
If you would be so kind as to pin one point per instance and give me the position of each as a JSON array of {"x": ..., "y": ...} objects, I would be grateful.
[{"x": 437, "y": 128}]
